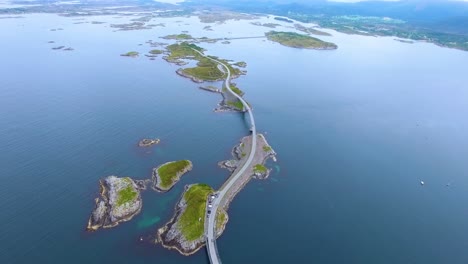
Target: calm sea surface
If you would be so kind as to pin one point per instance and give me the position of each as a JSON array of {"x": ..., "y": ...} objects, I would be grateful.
[{"x": 355, "y": 129}]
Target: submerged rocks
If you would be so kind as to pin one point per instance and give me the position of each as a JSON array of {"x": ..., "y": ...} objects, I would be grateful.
[{"x": 119, "y": 201}]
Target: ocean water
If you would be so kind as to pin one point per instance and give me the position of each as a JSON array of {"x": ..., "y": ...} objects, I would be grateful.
[{"x": 356, "y": 130}]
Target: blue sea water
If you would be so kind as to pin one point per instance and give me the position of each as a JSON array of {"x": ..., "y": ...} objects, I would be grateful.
[{"x": 355, "y": 129}]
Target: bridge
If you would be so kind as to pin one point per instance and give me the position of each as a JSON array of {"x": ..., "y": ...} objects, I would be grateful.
[{"x": 210, "y": 225}]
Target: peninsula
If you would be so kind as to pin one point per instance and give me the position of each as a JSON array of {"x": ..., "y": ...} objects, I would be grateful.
[
  {"x": 295, "y": 40},
  {"x": 167, "y": 175},
  {"x": 207, "y": 69},
  {"x": 119, "y": 201}
]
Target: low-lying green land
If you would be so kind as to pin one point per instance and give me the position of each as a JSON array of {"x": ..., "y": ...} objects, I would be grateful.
[
  {"x": 266, "y": 148},
  {"x": 126, "y": 194},
  {"x": 155, "y": 52},
  {"x": 206, "y": 69},
  {"x": 295, "y": 40},
  {"x": 192, "y": 220},
  {"x": 170, "y": 172},
  {"x": 310, "y": 30},
  {"x": 236, "y": 90},
  {"x": 236, "y": 104},
  {"x": 130, "y": 54},
  {"x": 182, "y": 36},
  {"x": 241, "y": 64},
  {"x": 182, "y": 50},
  {"x": 220, "y": 219}
]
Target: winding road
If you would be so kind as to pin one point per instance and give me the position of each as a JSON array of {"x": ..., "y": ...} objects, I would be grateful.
[{"x": 210, "y": 227}]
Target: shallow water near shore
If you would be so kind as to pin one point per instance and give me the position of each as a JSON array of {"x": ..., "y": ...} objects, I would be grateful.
[{"x": 356, "y": 130}]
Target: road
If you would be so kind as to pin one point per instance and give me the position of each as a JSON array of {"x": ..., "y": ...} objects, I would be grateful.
[{"x": 210, "y": 228}]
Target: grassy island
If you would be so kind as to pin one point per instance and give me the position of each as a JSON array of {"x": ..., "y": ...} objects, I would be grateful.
[
  {"x": 168, "y": 174},
  {"x": 295, "y": 40},
  {"x": 192, "y": 220},
  {"x": 155, "y": 52},
  {"x": 241, "y": 64},
  {"x": 130, "y": 54}
]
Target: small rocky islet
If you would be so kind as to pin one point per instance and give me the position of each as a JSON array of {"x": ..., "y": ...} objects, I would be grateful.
[
  {"x": 119, "y": 201},
  {"x": 147, "y": 142}
]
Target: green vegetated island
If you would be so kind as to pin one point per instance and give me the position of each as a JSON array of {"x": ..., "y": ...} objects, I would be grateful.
[
  {"x": 296, "y": 40},
  {"x": 167, "y": 175}
]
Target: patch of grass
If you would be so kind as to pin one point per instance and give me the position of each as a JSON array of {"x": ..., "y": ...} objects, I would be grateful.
[
  {"x": 155, "y": 52},
  {"x": 260, "y": 168},
  {"x": 266, "y": 148},
  {"x": 295, "y": 40},
  {"x": 237, "y": 104},
  {"x": 205, "y": 71},
  {"x": 126, "y": 194},
  {"x": 183, "y": 50},
  {"x": 192, "y": 221},
  {"x": 243, "y": 154},
  {"x": 168, "y": 172},
  {"x": 236, "y": 90},
  {"x": 220, "y": 218}
]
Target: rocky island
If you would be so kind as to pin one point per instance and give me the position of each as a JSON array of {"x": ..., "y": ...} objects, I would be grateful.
[
  {"x": 295, "y": 40},
  {"x": 119, "y": 201},
  {"x": 146, "y": 142},
  {"x": 167, "y": 175}
]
